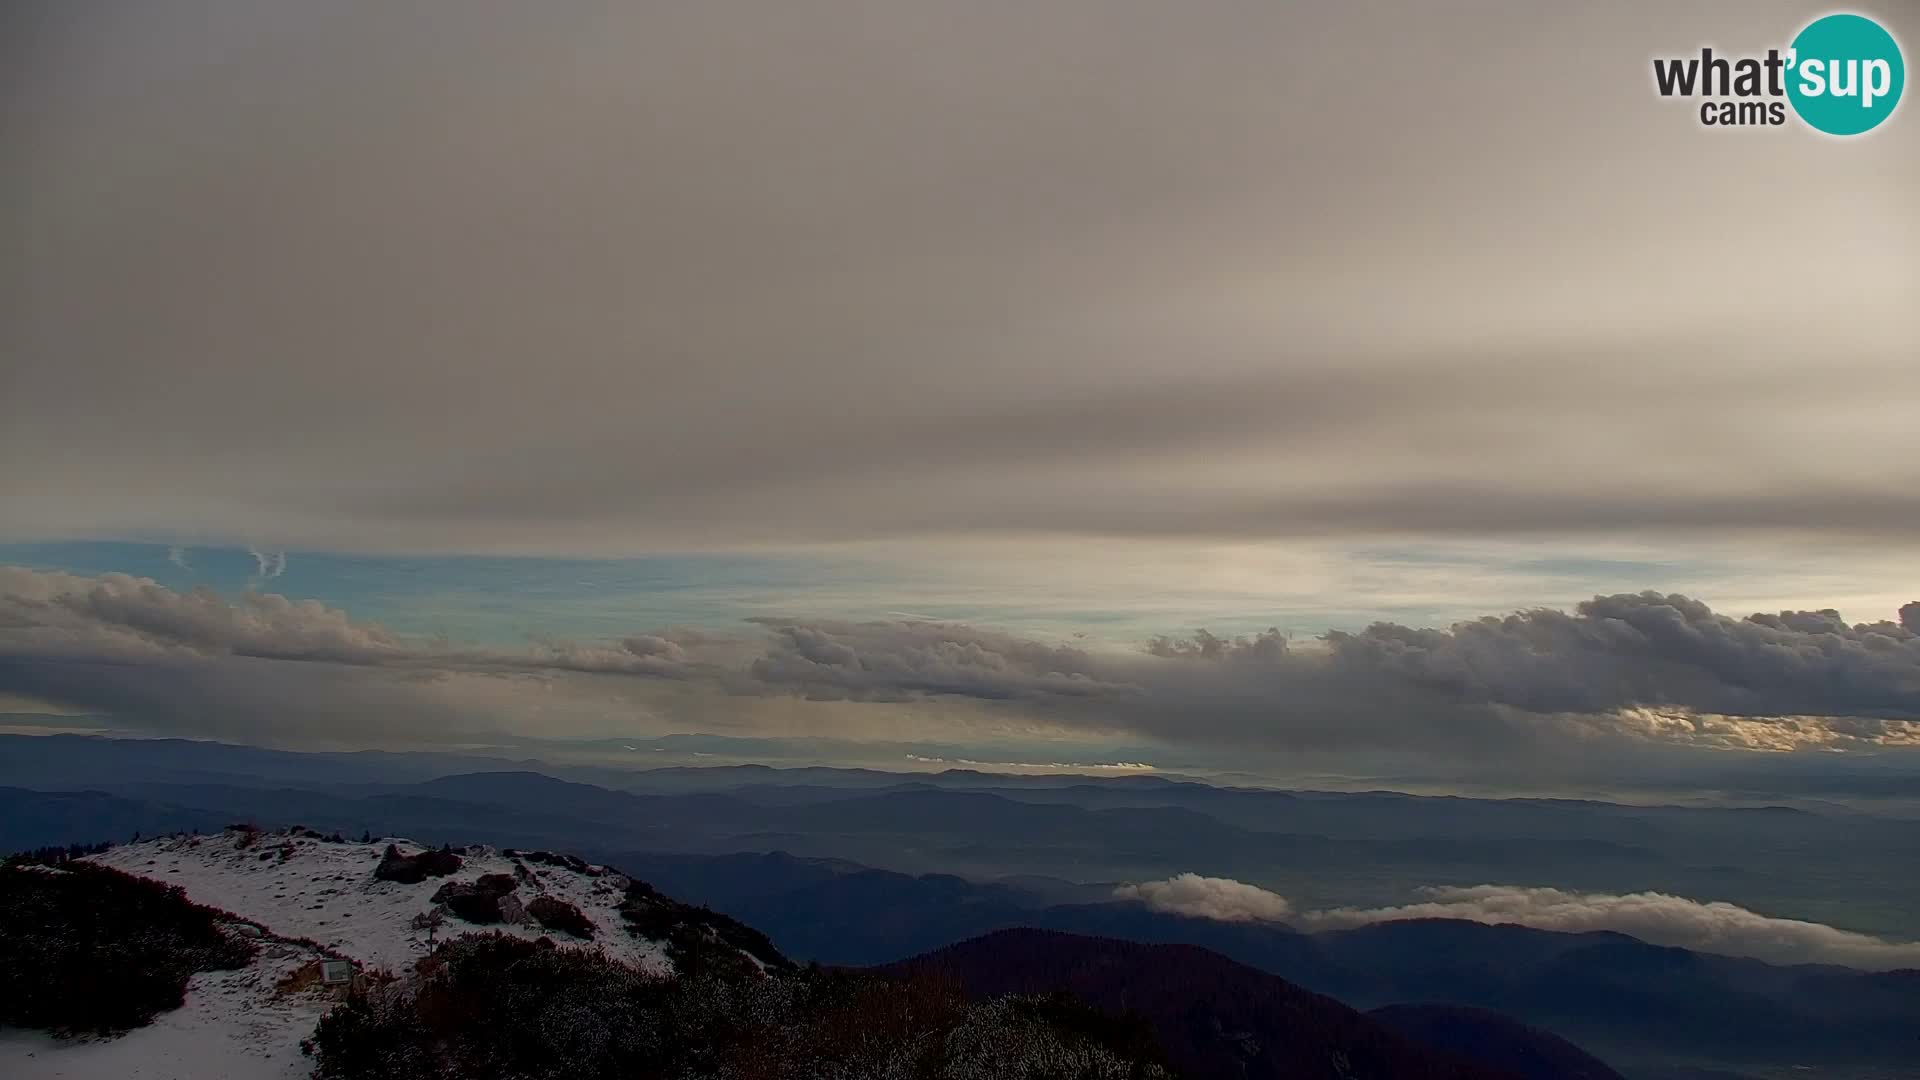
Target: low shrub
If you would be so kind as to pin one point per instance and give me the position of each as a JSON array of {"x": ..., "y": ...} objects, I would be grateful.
[
  {"x": 92, "y": 950},
  {"x": 477, "y": 901},
  {"x": 491, "y": 1007},
  {"x": 414, "y": 869},
  {"x": 558, "y": 915},
  {"x": 697, "y": 937}
]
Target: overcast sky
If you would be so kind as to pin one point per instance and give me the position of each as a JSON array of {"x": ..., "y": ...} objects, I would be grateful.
[
  {"x": 619, "y": 277},
  {"x": 1147, "y": 305}
]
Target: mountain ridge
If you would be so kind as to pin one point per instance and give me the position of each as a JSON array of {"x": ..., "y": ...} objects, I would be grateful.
[{"x": 300, "y": 897}]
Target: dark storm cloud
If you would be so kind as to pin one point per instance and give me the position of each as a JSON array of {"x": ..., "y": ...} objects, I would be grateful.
[{"x": 614, "y": 277}]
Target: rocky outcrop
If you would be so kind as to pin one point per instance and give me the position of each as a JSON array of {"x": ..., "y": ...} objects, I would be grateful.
[
  {"x": 481, "y": 901},
  {"x": 413, "y": 869}
]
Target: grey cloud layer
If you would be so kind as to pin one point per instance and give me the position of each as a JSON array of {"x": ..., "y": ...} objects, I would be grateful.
[
  {"x": 262, "y": 666},
  {"x": 1627, "y": 669},
  {"x": 123, "y": 615},
  {"x": 125, "y": 618},
  {"x": 1763, "y": 681},
  {"x": 890, "y": 660},
  {"x": 1649, "y": 649},
  {"x": 613, "y": 278},
  {"x": 1658, "y": 918}
]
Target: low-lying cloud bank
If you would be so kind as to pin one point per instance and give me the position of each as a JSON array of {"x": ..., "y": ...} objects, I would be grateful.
[
  {"x": 1656, "y": 918},
  {"x": 1617, "y": 673},
  {"x": 1221, "y": 899}
]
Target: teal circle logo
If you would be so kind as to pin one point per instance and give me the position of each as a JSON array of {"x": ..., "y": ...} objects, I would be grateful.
[{"x": 1845, "y": 74}]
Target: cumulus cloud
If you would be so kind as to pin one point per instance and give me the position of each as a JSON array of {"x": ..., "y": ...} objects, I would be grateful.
[
  {"x": 1770, "y": 733},
  {"x": 51, "y": 612},
  {"x": 1644, "y": 651},
  {"x": 1649, "y": 649},
  {"x": 1222, "y": 899},
  {"x": 1644, "y": 666},
  {"x": 1657, "y": 918},
  {"x": 1620, "y": 672}
]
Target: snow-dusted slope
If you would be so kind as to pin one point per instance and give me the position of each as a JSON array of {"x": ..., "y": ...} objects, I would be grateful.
[
  {"x": 306, "y": 898},
  {"x": 235, "y": 1025},
  {"x": 298, "y": 885}
]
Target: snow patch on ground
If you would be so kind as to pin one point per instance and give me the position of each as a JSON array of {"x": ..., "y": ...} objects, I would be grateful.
[
  {"x": 243, "y": 1025},
  {"x": 235, "y": 1025},
  {"x": 326, "y": 891}
]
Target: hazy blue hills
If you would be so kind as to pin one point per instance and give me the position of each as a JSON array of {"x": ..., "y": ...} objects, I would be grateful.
[
  {"x": 854, "y": 867},
  {"x": 1211, "y": 1015}
]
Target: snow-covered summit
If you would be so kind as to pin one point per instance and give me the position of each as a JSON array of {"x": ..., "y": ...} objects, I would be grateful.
[
  {"x": 381, "y": 903},
  {"x": 299, "y": 884}
]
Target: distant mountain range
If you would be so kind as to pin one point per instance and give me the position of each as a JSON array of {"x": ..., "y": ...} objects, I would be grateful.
[
  {"x": 1606, "y": 990},
  {"x": 392, "y": 913},
  {"x": 858, "y": 867},
  {"x": 1845, "y": 868}
]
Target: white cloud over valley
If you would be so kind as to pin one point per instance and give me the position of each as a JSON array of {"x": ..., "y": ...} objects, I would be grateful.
[
  {"x": 1652, "y": 917},
  {"x": 1221, "y": 899}
]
